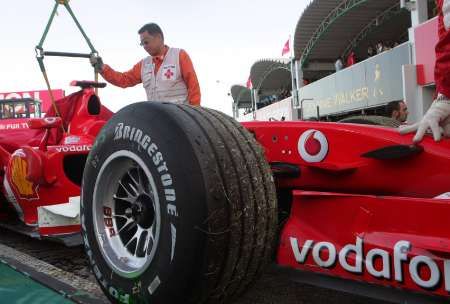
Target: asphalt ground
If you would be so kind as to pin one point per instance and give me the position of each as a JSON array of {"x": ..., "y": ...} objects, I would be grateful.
[{"x": 71, "y": 265}]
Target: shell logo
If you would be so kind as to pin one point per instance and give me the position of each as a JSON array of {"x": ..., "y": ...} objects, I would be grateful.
[
  {"x": 18, "y": 173},
  {"x": 313, "y": 146}
]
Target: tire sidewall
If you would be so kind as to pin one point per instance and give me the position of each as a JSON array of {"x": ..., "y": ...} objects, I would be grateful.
[{"x": 160, "y": 281}]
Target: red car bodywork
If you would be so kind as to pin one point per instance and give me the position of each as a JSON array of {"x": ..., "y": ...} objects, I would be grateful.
[
  {"x": 363, "y": 203},
  {"x": 42, "y": 161}
]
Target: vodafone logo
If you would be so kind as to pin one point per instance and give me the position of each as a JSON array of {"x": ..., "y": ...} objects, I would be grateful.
[
  {"x": 391, "y": 264},
  {"x": 313, "y": 146}
]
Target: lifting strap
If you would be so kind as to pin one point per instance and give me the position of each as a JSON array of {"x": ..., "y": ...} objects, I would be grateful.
[{"x": 40, "y": 53}]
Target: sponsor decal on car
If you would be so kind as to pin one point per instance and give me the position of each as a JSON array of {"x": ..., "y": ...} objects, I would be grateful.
[
  {"x": 70, "y": 140},
  {"x": 50, "y": 120},
  {"x": 313, "y": 146},
  {"x": 14, "y": 126},
  {"x": 377, "y": 262},
  {"x": 74, "y": 148}
]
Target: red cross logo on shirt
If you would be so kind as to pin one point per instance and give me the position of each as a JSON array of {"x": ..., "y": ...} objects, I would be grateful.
[{"x": 168, "y": 74}]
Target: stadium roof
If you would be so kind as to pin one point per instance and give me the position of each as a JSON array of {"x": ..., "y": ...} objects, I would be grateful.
[
  {"x": 329, "y": 28},
  {"x": 271, "y": 74},
  {"x": 241, "y": 96}
]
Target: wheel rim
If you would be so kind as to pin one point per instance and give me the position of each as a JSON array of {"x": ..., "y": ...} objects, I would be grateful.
[{"x": 126, "y": 213}]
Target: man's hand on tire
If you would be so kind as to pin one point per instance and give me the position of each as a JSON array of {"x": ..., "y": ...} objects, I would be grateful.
[
  {"x": 437, "y": 119},
  {"x": 97, "y": 63}
]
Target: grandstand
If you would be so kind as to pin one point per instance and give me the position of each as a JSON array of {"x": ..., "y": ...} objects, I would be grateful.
[{"x": 331, "y": 29}]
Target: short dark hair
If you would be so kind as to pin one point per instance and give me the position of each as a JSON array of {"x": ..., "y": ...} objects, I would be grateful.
[
  {"x": 393, "y": 106},
  {"x": 152, "y": 29}
]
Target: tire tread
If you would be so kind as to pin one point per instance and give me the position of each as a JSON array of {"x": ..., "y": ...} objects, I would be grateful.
[{"x": 256, "y": 215}]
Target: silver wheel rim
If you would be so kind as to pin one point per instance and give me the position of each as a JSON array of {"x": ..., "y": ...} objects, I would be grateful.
[{"x": 126, "y": 212}]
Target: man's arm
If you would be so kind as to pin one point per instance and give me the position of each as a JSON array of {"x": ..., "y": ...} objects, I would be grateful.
[
  {"x": 123, "y": 80},
  {"x": 190, "y": 79}
]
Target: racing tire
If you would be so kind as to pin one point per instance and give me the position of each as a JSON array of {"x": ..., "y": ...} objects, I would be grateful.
[
  {"x": 372, "y": 120},
  {"x": 178, "y": 205}
]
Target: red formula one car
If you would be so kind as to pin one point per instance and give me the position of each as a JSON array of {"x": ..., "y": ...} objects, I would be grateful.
[
  {"x": 42, "y": 163},
  {"x": 185, "y": 205}
]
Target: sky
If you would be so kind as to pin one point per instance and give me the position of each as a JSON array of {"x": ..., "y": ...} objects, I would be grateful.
[{"x": 223, "y": 39}]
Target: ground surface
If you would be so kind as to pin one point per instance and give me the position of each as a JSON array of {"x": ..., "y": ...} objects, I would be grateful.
[{"x": 270, "y": 289}]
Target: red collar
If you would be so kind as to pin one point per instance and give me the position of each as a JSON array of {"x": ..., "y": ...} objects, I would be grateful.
[{"x": 160, "y": 58}]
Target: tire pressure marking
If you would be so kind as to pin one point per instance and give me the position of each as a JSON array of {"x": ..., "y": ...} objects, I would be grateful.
[
  {"x": 174, "y": 240},
  {"x": 154, "y": 285}
]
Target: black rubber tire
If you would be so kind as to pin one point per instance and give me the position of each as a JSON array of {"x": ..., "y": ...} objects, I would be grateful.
[
  {"x": 372, "y": 120},
  {"x": 226, "y": 223}
]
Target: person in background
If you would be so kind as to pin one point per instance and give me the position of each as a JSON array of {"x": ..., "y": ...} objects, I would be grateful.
[
  {"x": 338, "y": 64},
  {"x": 167, "y": 74},
  {"x": 397, "y": 110},
  {"x": 379, "y": 47},
  {"x": 370, "y": 51},
  {"x": 351, "y": 59}
]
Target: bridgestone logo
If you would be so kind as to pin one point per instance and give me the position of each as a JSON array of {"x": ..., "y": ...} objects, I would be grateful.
[{"x": 325, "y": 255}]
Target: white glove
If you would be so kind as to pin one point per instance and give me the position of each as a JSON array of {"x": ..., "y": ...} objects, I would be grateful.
[
  {"x": 446, "y": 14},
  {"x": 437, "y": 119},
  {"x": 97, "y": 63}
]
